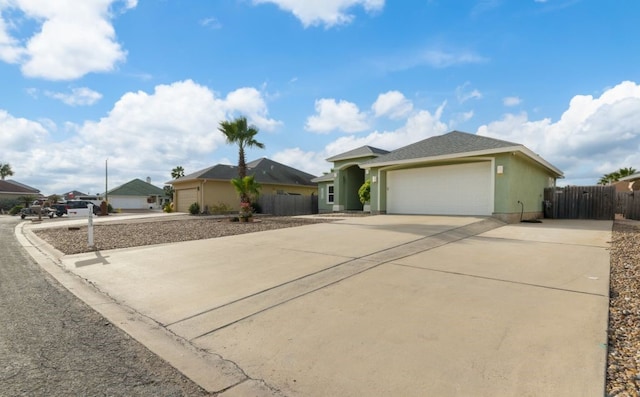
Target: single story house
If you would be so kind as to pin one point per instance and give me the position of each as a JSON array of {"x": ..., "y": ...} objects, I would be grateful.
[
  {"x": 12, "y": 192},
  {"x": 631, "y": 181},
  {"x": 137, "y": 194},
  {"x": 211, "y": 187},
  {"x": 452, "y": 174}
]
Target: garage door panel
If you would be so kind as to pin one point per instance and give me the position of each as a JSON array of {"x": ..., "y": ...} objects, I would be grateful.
[
  {"x": 185, "y": 198},
  {"x": 462, "y": 189}
]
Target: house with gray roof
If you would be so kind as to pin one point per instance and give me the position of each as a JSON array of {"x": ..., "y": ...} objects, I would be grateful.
[
  {"x": 452, "y": 174},
  {"x": 137, "y": 195},
  {"x": 12, "y": 192},
  {"x": 211, "y": 187}
]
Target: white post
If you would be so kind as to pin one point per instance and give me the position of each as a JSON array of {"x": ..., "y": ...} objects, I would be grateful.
[{"x": 90, "y": 229}]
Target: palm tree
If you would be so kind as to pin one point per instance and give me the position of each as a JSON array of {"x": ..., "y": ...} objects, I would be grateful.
[
  {"x": 615, "y": 176},
  {"x": 177, "y": 172},
  {"x": 5, "y": 170},
  {"x": 237, "y": 131}
]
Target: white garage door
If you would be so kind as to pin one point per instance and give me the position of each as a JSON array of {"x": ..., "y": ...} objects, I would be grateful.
[
  {"x": 128, "y": 203},
  {"x": 464, "y": 189},
  {"x": 185, "y": 198}
]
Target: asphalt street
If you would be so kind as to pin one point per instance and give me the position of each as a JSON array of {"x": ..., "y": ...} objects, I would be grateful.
[{"x": 52, "y": 344}]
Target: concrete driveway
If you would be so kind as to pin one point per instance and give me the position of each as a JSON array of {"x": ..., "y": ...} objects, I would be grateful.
[{"x": 380, "y": 305}]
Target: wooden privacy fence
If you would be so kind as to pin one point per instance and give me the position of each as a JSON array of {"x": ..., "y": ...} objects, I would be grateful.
[
  {"x": 628, "y": 204},
  {"x": 580, "y": 202},
  {"x": 288, "y": 205}
]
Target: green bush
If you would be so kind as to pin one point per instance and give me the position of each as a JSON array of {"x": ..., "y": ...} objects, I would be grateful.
[
  {"x": 109, "y": 208},
  {"x": 194, "y": 209},
  {"x": 364, "y": 193},
  {"x": 7, "y": 204},
  {"x": 15, "y": 210},
  {"x": 168, "y": 208}
]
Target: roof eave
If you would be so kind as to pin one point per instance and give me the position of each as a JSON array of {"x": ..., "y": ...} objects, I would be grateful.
[{"x": 476, "y": 153}]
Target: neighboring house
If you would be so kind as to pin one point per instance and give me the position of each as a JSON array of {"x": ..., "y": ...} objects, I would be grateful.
[
  {"x": 452, "y": 174},
  {"x": 137, "y": 194},
  {"x": 632, "y": 181},
  {"x": 73, "y": 195},
  {"x": 212, "y": 186},
  {"x": 11, "y": 192}
]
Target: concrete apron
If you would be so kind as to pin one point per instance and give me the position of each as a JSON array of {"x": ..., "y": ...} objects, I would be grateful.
[{"x": 382, "y": 305}]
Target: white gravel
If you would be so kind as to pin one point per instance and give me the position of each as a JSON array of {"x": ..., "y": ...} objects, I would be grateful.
[{"x": 137, "y": 233}]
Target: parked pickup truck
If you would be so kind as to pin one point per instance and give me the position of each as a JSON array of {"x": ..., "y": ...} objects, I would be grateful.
[{"x": 31, "y": 211}]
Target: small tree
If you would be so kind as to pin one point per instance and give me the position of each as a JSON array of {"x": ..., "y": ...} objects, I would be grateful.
[
  {"x": 615, "y": 176},
  {"x": 248, "y": 188}
]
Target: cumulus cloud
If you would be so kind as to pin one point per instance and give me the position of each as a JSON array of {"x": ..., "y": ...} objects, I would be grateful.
[
  {"x": 336, "y": 116},
  {"x": 144, "y": 134},
  {"x": 592, "y": 131},
  {"x": 323, "y": 12},
  {"x": 511, "y": 101},
  {"x": 75, "y": 38},
  {"x": 249, "y": 102},
  {"x": 82, "y": 96},
  {"x": 392, "y": 104}
]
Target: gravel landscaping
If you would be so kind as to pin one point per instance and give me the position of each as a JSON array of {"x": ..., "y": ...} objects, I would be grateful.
[
  {"x": 138, "y": 233},
  {"x": 623, "y": 361}
]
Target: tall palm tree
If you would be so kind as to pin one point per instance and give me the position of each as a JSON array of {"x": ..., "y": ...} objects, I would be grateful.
[
  {"x": 5, "y": 170},
  {"x": 237, "y": 131}
]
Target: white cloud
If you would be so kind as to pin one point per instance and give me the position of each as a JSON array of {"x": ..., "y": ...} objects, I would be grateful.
[
  {"x": 336, "y": 116},
  {"x": 82, "y": 96},
  {"x": 18, "y": 135},
  {"x": 511, "y": 101},
  {"x": 211, "y": 23},
  {"x": 144, "y": 134},
  {"x": 249, "y": 102},
  {"x": 442, "y": 59},
  {"x": 75, "y": 38},
  {"x": 392, "y": 104},
  {"x": 463, "y": 95},
  {"x": 324, "y": 12},
  {"x": 590, "y": 133}
]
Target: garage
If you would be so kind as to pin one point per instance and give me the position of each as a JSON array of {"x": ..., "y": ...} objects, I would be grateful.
[
  {"x": 460, "y": 189},
  {"x": 185, "y": 198}
]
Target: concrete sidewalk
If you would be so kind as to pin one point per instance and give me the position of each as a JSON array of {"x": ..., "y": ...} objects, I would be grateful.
[{"x": 380, "y": 305}]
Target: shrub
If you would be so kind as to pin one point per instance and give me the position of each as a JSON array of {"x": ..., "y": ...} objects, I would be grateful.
[
  {"x": 194, "y": 209},
  {"x": 109, "y": 208},
  {"x": 15, "y": 210},
  {"x": 7, "y": 204},
  {"x": 221, "y": 208},
  {"x": 168, "y": 208},
  {"x": 365, "y": 192}
]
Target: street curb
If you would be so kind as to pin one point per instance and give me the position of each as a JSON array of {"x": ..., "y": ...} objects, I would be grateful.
[{"x": 208, "y": 370}]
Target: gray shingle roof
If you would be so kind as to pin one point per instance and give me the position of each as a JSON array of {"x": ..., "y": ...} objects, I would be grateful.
[
  {"x": 137, "y": 187},
  {"x": 452, "y": 143},
  {"x": 265, "y": 171},
  {"x": 363, "y": 151}
]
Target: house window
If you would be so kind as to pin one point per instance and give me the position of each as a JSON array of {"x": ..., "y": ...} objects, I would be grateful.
[{"x": 330, "y": 190}]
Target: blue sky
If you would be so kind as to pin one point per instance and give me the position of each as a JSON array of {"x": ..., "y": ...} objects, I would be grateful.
[{"x": 145, "y": 83}]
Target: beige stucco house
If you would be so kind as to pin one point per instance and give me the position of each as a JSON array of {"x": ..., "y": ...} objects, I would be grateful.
[{"x": 211, "y": 187}]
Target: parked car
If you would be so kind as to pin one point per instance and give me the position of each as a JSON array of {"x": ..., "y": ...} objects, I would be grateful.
[
  {"x": 71, "y": 204},
  {"x": 31, "y": 211},
  {"x": 60, "y": 209}
]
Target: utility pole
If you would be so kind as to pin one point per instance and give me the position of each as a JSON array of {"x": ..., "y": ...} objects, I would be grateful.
[{"x": 106, "y": 179}]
